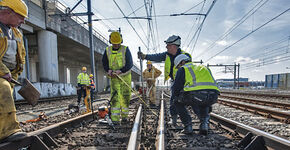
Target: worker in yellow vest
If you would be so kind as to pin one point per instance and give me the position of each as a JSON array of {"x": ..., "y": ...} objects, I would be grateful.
[
  {"x": 173, "y": 50},
  {"x": 12, "y": 59},
  {"x": 194, "y": 86},
  {"x": 117, "y": 60},
  {"x": 83, "y": 83},
  {"x": 150, "y": 74}
]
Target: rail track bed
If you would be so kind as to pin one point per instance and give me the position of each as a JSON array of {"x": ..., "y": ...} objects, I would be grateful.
[{"x": 147, "y": 128}]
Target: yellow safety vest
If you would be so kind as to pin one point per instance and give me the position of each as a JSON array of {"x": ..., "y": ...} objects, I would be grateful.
[
  {"x": 20, "y": 56},
  {"x": 168, "y": 66},
  {"x": 117, "y": 59},
  {"x": 84, "y": 79},
  {"x": 198, "y": 77}
]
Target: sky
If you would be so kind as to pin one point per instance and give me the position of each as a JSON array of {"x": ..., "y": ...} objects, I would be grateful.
[{"x": 260, "y": 45}]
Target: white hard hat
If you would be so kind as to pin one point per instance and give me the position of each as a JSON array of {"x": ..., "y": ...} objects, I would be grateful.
[
  {"x": 174, "y": 39},
  {"x": 180, "y": 58}
]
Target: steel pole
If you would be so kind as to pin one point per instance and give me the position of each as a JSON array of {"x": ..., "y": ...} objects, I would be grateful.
[
  {"x": 91, "y": 50},
  {"x": 26, "y": 58},
  {"x": 141, "y": 67}
]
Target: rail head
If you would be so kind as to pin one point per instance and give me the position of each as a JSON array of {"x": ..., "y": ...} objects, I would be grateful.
[
  {"x": 271, "y": 140},
  {"x": 135, "y": 134},
  {"x": 160, "y": 137}
]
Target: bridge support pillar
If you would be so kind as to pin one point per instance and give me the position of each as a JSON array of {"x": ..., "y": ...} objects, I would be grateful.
[{"x": 48, "y": 57}]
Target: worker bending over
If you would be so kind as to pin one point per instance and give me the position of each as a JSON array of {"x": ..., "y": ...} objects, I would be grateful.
[
  {"x": 117, "y": 62},
  {"x": 83, "y": 83},
  {"x": 173, "y": 50},
  {"x": 194, "y": 85},
  {"x": 150, "y": 74},
  {"x": 12, "y": 59}
]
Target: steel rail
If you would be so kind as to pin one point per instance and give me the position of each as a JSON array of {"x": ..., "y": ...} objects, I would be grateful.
[
  {"x": 135, "y": 134},
  {"x": 256, "y": 101},
  {"x": 283, "y": 116},
  {"x": 271, "y": 140},
  {"x": 160, "y": 137},
  {"x": 259, "y": 94},
  {"x": 42, "y": 100},
  {"x": 41, "y": 139}
]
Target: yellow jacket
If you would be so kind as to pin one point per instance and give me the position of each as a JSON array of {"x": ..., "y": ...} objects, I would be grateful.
[
  {"x": 152, "y": 75},
  {"x": 20, "y": 56}
]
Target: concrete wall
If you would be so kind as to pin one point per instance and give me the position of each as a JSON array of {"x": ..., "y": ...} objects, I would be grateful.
[{"x": 48, "y": 90}]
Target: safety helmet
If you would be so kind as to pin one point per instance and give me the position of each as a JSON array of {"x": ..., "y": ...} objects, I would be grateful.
[
  {"x": 180, "y": 58},
  {"x": 17, "y": 6},
  {"x": 91, "y": 75},
  {"x": 149, "y": 62},
  {"x": 174, "y": 39},
  {"x": 84, "y": 69},
  {"x": 116, "y": 38}
]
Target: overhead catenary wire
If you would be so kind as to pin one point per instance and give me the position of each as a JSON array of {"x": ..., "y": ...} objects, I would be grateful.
[
  {"x": 237, "y": 24},
  {"x": 133, "y": 12},
  {"x": 200, "y": 27},
  {"x": 248, "y": 34},
  {"x": 195, "y": 22},
  {"x": 130, "y": 24}
]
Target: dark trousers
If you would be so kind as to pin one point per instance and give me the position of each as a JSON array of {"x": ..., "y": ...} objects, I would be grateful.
[
  {"x": 200, "y": 108},
  {"x": 81, "y": 92}
]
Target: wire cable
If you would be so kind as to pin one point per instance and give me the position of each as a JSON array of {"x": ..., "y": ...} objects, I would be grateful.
[
  {"x": 237, "y": 24},
  {"x": 248, "y": 34},
  {"x": 130, "y": 23}
]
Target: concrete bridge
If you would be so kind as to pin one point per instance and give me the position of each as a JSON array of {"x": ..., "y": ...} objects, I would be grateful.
[{"x": 59, "y": 46}]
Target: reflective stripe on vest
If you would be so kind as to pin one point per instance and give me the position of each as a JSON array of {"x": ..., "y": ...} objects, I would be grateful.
[
  {"x": 201, "y": 71},
  {"x": 84, "y": 79},
  {"x": 168, "y": 66}
]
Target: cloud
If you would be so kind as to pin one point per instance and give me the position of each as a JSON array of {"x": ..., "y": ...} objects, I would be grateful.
[
  {"x": 222, "y": 58},
  {"x": 245, "y": 60},
  {"x": 222, "y": 43}
]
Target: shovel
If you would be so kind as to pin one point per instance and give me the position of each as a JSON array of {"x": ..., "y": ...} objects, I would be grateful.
[{"x": 28, "y": 91}]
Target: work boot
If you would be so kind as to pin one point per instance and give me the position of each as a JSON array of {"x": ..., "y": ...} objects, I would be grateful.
[
  {"x": 16, "y": 136},
  {"x": 187, "y": 129},
  {"x": 173, "y": 121},
  {"x": 203, "y": 128},
  {"x": 125, "y": 120}
]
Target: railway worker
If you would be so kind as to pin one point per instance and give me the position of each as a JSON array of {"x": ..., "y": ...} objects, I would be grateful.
[
  {"x": 150, "y": 74},
  {"x": 117, "y": 62},
  {"x": 92, "y": 83},
  {"x": 83, "y": 83},
  {"x": 173, "y": 49},
  {"x": 194, "y": 85},
  {"x": 12, "y": 59}
]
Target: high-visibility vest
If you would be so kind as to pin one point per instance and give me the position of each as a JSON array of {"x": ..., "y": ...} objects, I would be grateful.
[
  {"x": 198, "y": 77},
  {"x": 83, "y": 79},
  {"x": 168, "y": 66},
  {"x": 117, "y": 59},
  {"x": 20, "y": 56}
]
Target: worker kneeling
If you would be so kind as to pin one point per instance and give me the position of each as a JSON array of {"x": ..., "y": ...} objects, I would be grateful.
[{"x": 194, "y": 86}]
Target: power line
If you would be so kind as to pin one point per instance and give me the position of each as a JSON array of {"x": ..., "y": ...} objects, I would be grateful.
[
  {"x": 238, "y": 23},
  {"x": 130, "y": 23},
  {"x": 201, "y": 25},
  {"x": 249, "y": 34}
]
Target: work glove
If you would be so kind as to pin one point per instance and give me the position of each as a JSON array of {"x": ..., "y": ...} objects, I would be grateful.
[
  {"x": 7, "y": 76},
  {"x": 110, "y": 73},
  {"x": 141, "y": 55},
  {"x": 118, "y": 72}
]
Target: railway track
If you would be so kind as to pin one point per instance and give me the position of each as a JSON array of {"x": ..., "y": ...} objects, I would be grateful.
[
  {"x": 266, "y": 112},
  {"x": 147, "y": 132},
  {"x": 258, "y": 101},
  {"x": 263, "y": 94}
]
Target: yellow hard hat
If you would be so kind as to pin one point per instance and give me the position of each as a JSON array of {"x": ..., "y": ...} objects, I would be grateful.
[
  {"x": 84, "y": 69},
  {"x": 17, "y": 6},
  {"x": 91, "y": 75},
  {"x": 116, "y": 38},
  {"x": 149, "y": 62}
]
